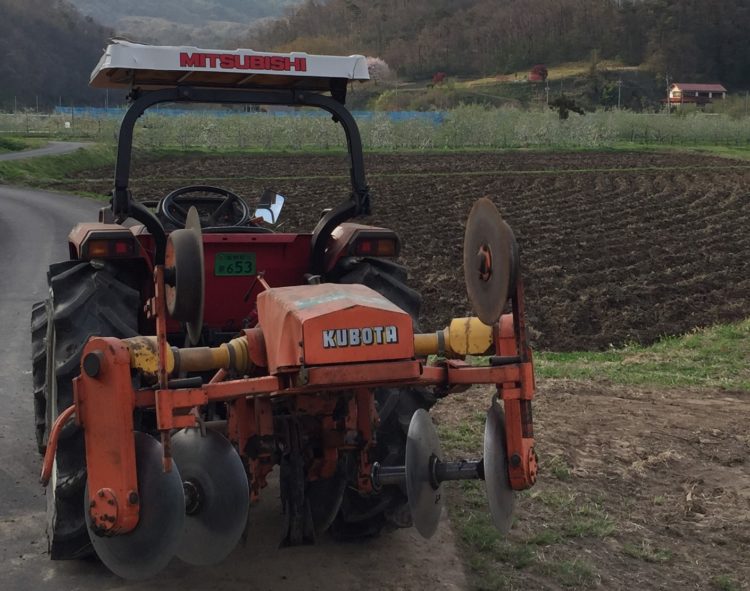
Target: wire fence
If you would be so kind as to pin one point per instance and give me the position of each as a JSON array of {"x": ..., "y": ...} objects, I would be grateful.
[{"x": 464, "y": 127}]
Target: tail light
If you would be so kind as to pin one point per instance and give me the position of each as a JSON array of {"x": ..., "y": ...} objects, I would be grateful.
[
  {"x": 103, "y": 248},
  {"x": 376, "y": 247}
]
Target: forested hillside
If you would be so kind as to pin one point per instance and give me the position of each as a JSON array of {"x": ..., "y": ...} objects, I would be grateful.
[
  {"x": 49, "y": 50},
  {"x": 690, "y": 39},
  {"x": 205, "y": 23},
  {"x": 50, "y": 47},
  {"x": 193, "y": 12}
]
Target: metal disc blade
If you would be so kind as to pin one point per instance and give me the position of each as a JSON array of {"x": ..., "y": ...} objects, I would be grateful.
[
  {"x": 148, "y": 548},
  {"x": 211, "y": 466},
  {"x": 488, "y": 241},
  {"x": 325, "y": 497},
  {"x": 185, "y": 299},
  {"x": 500, "y": 495},
  {"x": 425, "y": 501},
  {"x": 194, "y": 324}
]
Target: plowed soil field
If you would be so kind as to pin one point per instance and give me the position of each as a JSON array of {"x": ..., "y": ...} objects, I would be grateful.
[{"x": 615, "y": 247}]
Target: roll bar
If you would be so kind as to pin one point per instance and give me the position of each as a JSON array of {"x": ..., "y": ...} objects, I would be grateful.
[{"x": 357, "y": 204}]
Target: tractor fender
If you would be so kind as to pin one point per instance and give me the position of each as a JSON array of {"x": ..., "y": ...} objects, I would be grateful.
[{"x": 83, "y": 235}]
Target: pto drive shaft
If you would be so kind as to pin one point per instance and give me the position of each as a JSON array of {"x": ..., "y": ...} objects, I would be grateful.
[
  {"x": 464, "y": 336},
  {"x": 439, "y": 472},
  {"x": 144, "y": 356}
]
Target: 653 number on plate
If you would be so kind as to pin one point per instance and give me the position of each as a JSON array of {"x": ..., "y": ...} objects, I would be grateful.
[{"x": 234, "y": 263}]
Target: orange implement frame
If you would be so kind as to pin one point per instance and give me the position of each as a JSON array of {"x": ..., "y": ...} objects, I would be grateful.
[{"x": 105, "y": 402}]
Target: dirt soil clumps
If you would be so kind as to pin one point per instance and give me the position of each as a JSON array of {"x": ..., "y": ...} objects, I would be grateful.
[
  {"x": 616, "y": 247},
  {"x": 638, "y": 488}
]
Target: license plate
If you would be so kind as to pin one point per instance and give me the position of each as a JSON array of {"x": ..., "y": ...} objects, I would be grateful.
[{"x": 234, "y": 263}]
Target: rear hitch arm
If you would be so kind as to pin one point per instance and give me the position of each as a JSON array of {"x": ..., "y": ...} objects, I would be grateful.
[{"x": 54, "y": 437}]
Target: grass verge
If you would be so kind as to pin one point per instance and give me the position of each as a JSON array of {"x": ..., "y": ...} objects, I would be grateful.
[
  {"x": 736, "y": 152},
  {"x": 564, "y": 521},
  {"x": 47, "y": 169},
  {"x": 740, "y": 152},
  {"x": 495, "y": 562},
  {"x": 714, "y": 357},
  {"x": 16, "y": 144}
]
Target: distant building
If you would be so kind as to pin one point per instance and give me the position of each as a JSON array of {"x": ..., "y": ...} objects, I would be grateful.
[
  {"x": 695, "y": 94},
  {"x": 538, "y": 73}
]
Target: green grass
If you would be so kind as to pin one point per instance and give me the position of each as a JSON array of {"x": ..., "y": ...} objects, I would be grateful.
[
  {"x": 45, "y": 169},
  {"x": 498, "y": 562},
  {"x": 569, "y": 573},
  {"x": 715, "y": 357},
  {"x": 558, "y": 467},
  {"x": 495, "y": 562},
  {"x": 466, "y": 437},
  {"x": 566, "y": 517},
  {"x": 582, "y": 68},
  {"x": 617, "y": 146},
  {"x": 16, "y": 144},
  {"x": 724, "y": 583},
  {"x": 557, "y": 72},
  {"x": 739, "y": 151},
  {"x": 647, "y": 552},
  {"x": 575, "y": 516},
  {"x": 733, "y": 152}
]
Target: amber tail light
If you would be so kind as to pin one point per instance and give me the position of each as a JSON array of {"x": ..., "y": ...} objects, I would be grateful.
[
  {"x": 376, "y": 247},
  {"x": 106, "y": 248}
]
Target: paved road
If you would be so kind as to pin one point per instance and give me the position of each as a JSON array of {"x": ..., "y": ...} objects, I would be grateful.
[
  {"x": 33, "y": 230},
  {"x": 51, "y": 149}
]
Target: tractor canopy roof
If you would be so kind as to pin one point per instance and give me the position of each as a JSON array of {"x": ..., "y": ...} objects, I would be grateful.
[{"x": 151, "y": 67}]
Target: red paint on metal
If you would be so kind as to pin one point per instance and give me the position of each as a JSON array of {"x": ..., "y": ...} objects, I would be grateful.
[
  {"x": 104, "y": 407},
  {"x": 282, "y": 258},
  {"x": 54, "y": 436}
]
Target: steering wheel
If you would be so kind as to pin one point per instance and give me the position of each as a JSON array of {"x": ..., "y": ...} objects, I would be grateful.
[{"x": 220, "y": 207}]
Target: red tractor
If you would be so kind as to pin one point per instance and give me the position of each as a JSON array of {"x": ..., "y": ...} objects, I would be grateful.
[{"x": 186, "y": 350}]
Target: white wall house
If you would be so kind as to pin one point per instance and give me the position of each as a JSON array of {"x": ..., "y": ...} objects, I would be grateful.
[{"x": 701, "y": 94}]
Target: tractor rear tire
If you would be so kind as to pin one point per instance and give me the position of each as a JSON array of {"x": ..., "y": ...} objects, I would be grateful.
[
  {"x": 84, "y": 301},
  {"x": 39, "y": 315},
  {"x": 364, "y": 516}
]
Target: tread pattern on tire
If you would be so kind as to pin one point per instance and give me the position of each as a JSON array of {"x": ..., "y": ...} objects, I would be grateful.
[
  {"x": 362, "y": 516},
  {"x": 85, "y": 301},
  {"x": 39, "y": 314}
]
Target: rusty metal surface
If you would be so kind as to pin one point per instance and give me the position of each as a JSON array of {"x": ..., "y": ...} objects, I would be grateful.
[
  {"x": 147, "y": 549},
  {"x": 54, "y": 436},
  {"x": 105, "y": 405},
  {"x": 490, "y": 258},
  {"x": 185, "y": 296}
]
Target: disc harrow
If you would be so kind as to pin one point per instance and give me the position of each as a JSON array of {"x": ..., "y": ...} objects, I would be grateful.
[{"x": 296, "y": 391}]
